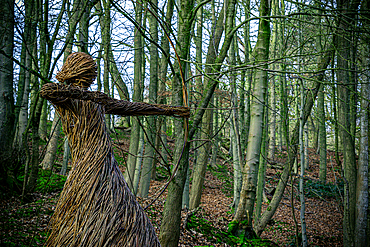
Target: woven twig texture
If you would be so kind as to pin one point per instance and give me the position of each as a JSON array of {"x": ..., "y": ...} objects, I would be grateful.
[
  {"x": 59, "y": 93},
  {"x": 96, "y": 207},
  {"x": 79, "y": 69}
]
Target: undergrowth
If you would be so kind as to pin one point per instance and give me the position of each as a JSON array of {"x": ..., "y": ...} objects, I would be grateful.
[
  {"x": 229, "y": 237},
  {"x": 317, "y": 189}
]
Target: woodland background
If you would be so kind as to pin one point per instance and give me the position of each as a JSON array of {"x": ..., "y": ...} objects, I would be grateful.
[{"x": 279, "y": 95}]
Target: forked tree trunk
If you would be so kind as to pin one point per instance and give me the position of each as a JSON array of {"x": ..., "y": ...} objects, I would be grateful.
[{"x": 309, "y": 101}]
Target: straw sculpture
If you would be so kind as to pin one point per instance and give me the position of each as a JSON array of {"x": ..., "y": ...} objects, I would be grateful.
[{"x": 96, "y": 207}]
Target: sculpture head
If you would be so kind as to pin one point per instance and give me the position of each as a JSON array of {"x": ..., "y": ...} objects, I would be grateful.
[{"x": 79, "y": 70}]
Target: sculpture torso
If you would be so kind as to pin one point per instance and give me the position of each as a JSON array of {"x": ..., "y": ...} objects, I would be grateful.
[{"x": 95, "y": 208}]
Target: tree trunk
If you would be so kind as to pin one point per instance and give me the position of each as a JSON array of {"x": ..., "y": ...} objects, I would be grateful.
[
  {"x": 262, "y": 167},
  {"x": 105, "y": 22},
  {"x": 202, "y": 162},
  {"x": 248, "y": 192},
  {"x": 66, "y": 155},
  {"x": 43, "y": 121},
  {"x": 322, "y": 134},
  {"x": 272, "y": 92},
  {"x": 151, "y": 130},
  {"x": 6, "y": 86},
  {"x": 139, "y": 162},
  {"x": 292, "y": 151},
  {"x": 170, "y": 228},
  {"x": 137, "y": 96},
  {"x": 362, "y": 190},
  {"x": 302, "y": 158},
  {"x": 51, "y": 149},
  {"x": 347, "y": 140},
  {"x": 362, "y": 229}
]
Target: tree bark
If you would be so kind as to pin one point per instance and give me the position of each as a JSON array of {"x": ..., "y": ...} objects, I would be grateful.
[
  {"x": 52, "y": 146},
  {"x": 151, "y": 130},
  {"x": 347, "y": 140},
  {"x": 362, "y": 190},
  {"x": 248, "y": 192},
  {"x": 170, "y": 228},
  {"x": 137, "y": 96},
  {"x": 6, "y": 86},
  {"x": 292, "y": 151}
]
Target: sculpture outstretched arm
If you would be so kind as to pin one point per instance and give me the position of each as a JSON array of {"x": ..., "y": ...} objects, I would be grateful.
[{"x": 58, "y": 93}]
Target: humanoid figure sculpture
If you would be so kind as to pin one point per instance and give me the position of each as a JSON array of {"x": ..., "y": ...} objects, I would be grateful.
[{"x": 96, "y": 207}]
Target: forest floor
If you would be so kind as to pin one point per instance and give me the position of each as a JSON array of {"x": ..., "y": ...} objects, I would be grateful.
[{"x": 25, "y": 224}]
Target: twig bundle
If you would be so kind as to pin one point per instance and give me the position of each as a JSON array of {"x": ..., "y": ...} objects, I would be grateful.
[
  {"x": 79, "y": 69},
  {"x": 96, "y": 207},
  {"x": 60, "y": 93}
]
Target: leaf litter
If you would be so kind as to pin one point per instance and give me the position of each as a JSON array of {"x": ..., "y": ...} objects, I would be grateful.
[{"x": 25, "y": 224}]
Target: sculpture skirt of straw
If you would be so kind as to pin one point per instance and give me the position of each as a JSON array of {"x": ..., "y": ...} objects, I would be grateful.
[{"x": 96, "y": 207}]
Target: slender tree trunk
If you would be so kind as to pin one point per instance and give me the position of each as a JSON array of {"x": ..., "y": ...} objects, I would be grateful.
[
  {"x": 248, "y": 192},
  {"x": 202, "y": 162},
  {"x": 292, "y": 151},
  {"x": 139, "y": 162},
  {"x": 246, "y": 77},
  {"x": 215, "y": 129},
  {"x": 36, "y": 101},
  {"x": 137, "y": 96},
  {"x": 105, "y": 23},
  {"x": 43, "y": 121},
  {"x": 321, "y": 112},
  {"x": 66, "y": 155},
  {"x": 272, "y": 99},
  {"x": 235, "y": 135},
  {"x": 162, "y": 99},
  {"x": 170, "y": 228},
  {"x": 30, "y": 30},
  {"x": 51, "y": 149},
  {"x": 347, "y": 140},
  {"x": 362, "y": 190},
  {"x": 322, "y": 134},
  {"x": 151, "y": 130},
  {"x": 362, "y": 228},
  {"x": 283, "y": 95},
  {"x": 30, "y": 58},
  {"x": 262, "y": 169},
  {"x": 301, "y": 178},
  {"x": 7, "y": 117}
]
